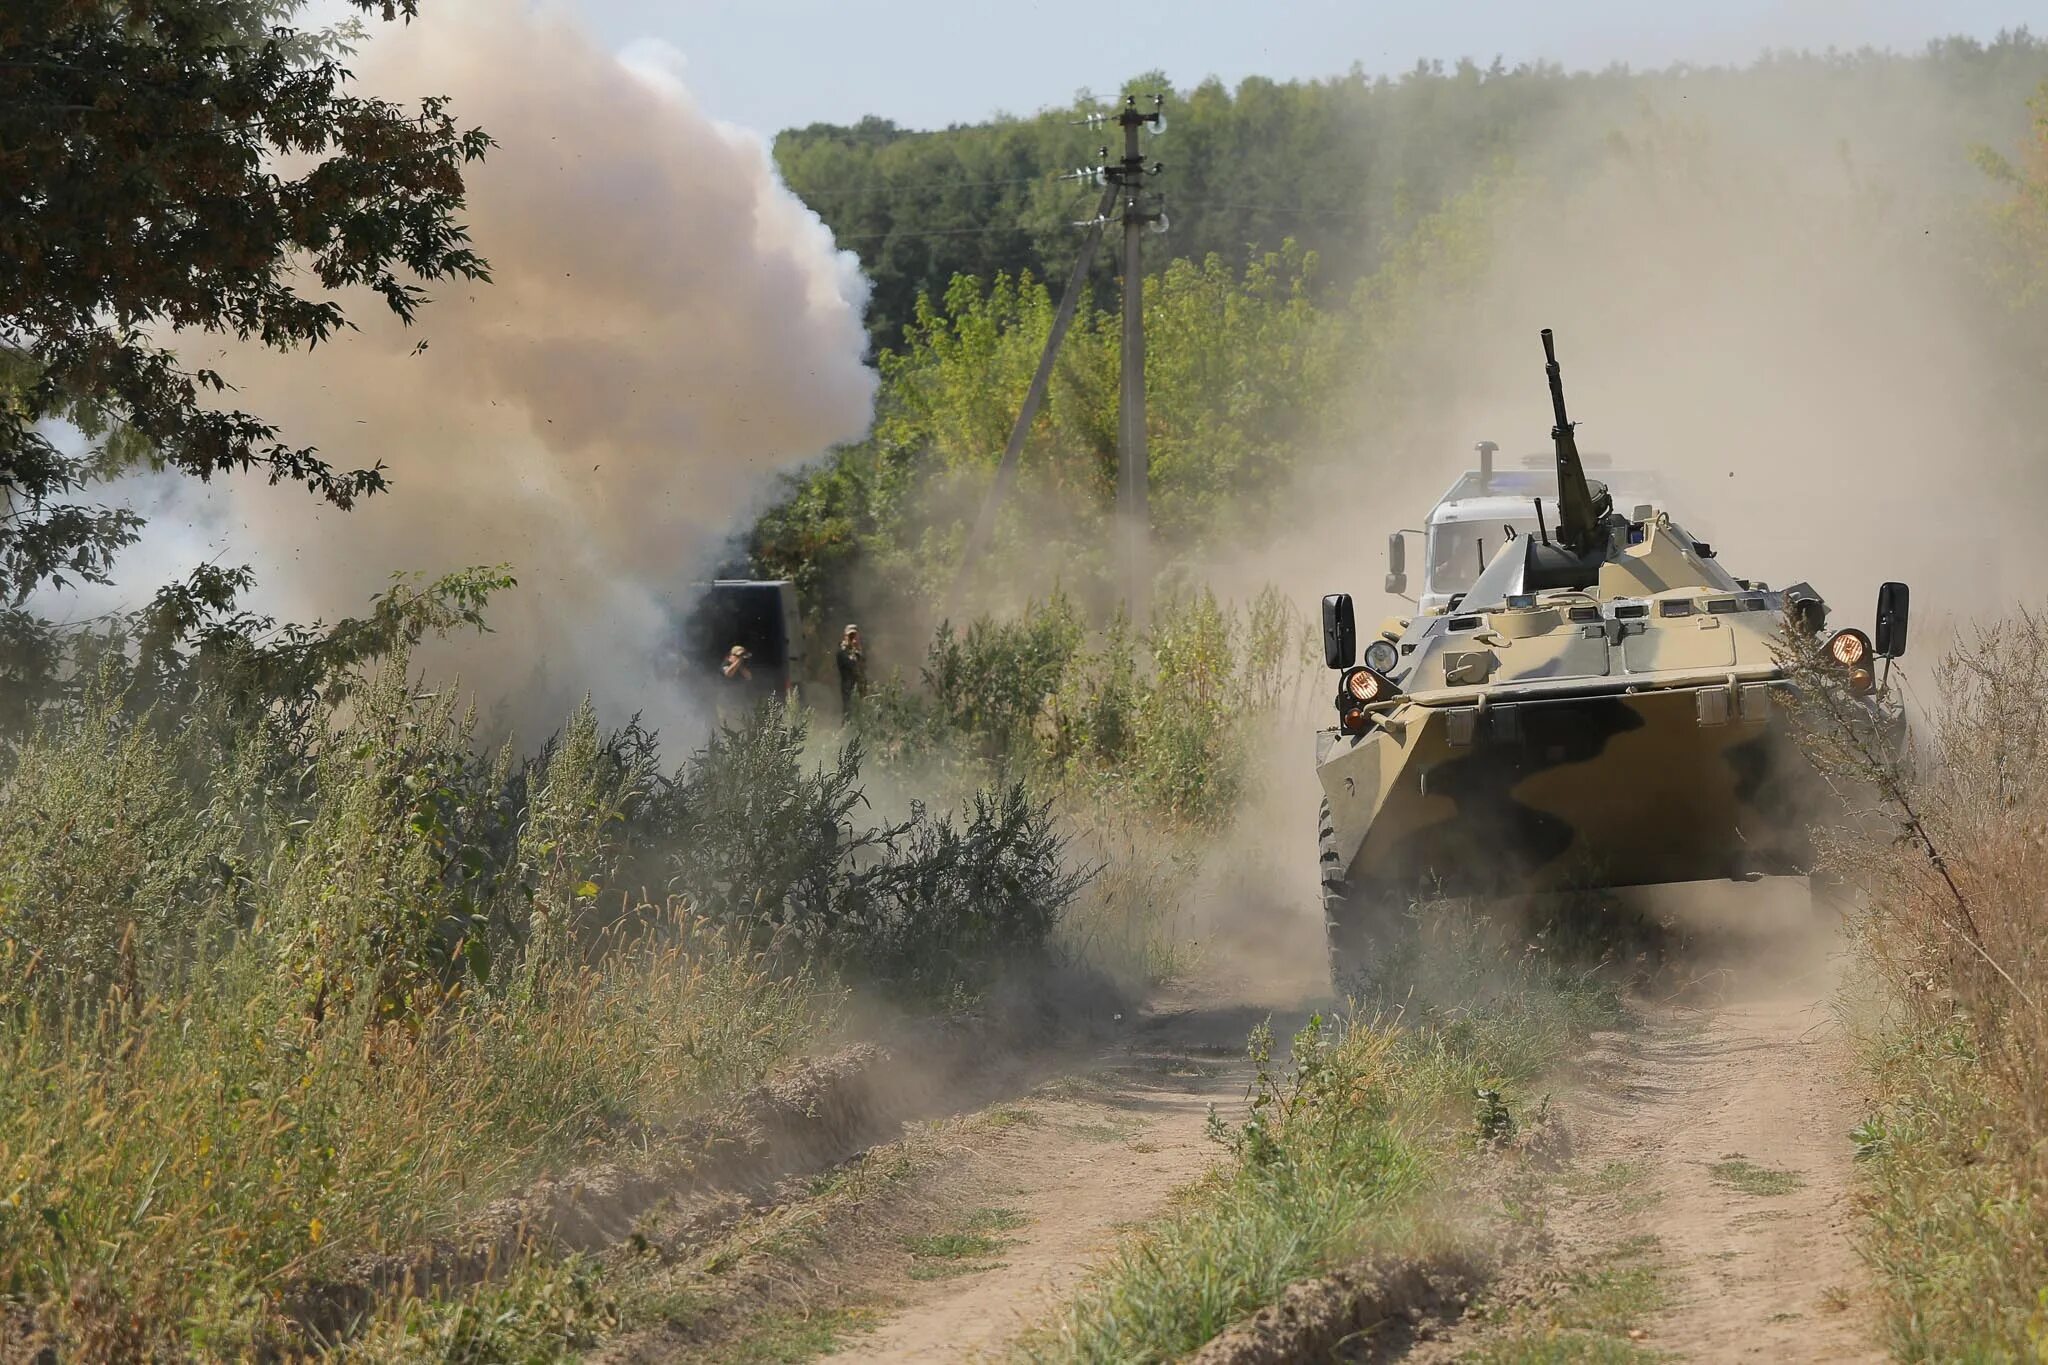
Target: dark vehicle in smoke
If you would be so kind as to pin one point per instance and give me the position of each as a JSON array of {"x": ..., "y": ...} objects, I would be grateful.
[
  {"x": 1600, "y": 708},
  {"x": 757, "y": 615}
]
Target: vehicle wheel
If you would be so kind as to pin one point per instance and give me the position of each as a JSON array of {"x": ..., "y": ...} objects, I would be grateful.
[{"x": 1342, "y": 931}]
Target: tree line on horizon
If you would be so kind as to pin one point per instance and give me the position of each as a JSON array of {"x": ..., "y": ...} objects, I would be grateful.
[{"x": 1346, "y": 167}]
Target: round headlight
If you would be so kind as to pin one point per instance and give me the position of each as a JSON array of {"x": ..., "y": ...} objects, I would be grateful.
[
  {"x": 1364, "y": 685},
  {"x": 1381, "y": 656},
  {"x": 1849, "y": 648}
]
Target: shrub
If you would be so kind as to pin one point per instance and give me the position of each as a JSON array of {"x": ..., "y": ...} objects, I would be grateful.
[
  {"x": 1949, "y": 930},
  {"x": 929, "y": 903},
  {"x": 106, "y": 859},
  {"x": 1165, "y": 719}
]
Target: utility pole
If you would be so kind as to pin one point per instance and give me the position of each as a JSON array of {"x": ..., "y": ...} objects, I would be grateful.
[
  {"x": 1006, "y": 469},
  {"x": 1123, "y": 181},
  {"x": 1133, "y": 512}
]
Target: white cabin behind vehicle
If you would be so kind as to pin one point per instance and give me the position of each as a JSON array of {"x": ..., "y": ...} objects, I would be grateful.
[{"x": 1483, "y": 507}]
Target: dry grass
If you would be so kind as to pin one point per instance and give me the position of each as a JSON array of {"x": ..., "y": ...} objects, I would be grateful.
[
  {"x": 1951, "y": 934},
  {"x": 174, "y": 1169}
]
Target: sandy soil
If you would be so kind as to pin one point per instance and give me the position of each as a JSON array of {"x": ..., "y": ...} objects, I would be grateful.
[
  {"x": 1761, "y": 1073},
  {"x": 1085, "y": 1158},
  {"x": 1741, "y": 1119},
  {"x": 1715, "y": 1137}
]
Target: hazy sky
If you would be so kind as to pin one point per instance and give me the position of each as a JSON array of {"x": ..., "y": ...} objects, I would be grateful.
[{"x": 769, "y": 64}]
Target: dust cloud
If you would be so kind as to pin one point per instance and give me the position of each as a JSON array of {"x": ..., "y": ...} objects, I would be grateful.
[
  {"x": 1767, "y": 290},
  {"x": 667, "y": 327}
]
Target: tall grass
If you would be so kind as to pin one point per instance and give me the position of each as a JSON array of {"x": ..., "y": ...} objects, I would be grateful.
[
  {"x": 1157, "y": 721},
  {"x": 176, "y": 1166},
  {"x": 1344, "y": 1142},
  {"x": 280, "y": 991},
  {"x": 1950, "y": 931}
]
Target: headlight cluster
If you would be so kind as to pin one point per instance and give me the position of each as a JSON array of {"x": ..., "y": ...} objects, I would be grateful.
[
  {"x": 1850, "y": 649},
  {"x": 1364, "y": 685},
  {"x": 1381, "y": 656},
  {"x": 1361, "y": 688}
]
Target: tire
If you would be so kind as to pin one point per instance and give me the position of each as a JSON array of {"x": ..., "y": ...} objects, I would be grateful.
[{"x": 1341, "y": 930}]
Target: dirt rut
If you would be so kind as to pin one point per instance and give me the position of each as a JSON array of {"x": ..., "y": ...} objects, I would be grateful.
[
  {"x": 1085, "y": 1157},
  {"x": 1712, "y": 1151},
  {"x": 1736, "y": 1122}
]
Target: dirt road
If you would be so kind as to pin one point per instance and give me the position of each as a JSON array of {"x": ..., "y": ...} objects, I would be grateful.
[
  {"x": 1038, "y": 1197},
  {"x": 1735, "y": 1126},
  {"x": 1704, "y": 1213},
  {"x": 1713, "y": 1169}
]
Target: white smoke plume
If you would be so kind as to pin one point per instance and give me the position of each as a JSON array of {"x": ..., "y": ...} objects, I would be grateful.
[{"x": 667, "y": 327}]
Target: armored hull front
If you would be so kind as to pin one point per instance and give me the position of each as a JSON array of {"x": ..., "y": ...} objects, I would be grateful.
[{"x": 1467, "y": 794}]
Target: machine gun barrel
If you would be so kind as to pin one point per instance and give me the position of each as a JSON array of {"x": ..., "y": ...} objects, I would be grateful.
[
  {"x": 1561, "y": 428},
  {"x": 1578, "y": 512}
]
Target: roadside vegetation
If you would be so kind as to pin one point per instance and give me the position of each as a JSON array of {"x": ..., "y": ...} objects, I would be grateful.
[
  {"x": 266, "y": 890},
  {"x": 1948, "y": 932},
  {"x": 1944, "y": 876},
  {"x": 1354, "y": 1136},
  {"x": 297, "y": 978}
]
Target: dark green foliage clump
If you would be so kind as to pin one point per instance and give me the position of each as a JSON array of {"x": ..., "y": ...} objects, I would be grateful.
[
  {"x": 931, "y": 902},
  {"x": 188, "y": 164}
]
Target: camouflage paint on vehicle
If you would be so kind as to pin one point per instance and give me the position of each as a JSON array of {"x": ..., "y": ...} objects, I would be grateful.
[{"x": 1600, "y": 709}]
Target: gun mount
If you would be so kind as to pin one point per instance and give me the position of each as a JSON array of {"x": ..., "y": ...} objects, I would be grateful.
[{"x": 1582, "y": 505}]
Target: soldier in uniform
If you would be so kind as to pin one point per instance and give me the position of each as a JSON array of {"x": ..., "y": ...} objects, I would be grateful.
[{"x": 852, "y": 668}]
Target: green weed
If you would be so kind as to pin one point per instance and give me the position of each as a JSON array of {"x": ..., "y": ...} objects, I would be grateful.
[
  {"x": 1595, "y": 1315},
  {"x": 791, "y": 1338},
  {"x": 978, "y": 1236},
  {"x": 1737, "y": 1172}
]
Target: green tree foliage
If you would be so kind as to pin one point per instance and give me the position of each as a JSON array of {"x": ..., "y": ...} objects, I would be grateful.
[
  {"x": 188, "y": 165},
  {"x": 1243, "y": 369},
  {"x": 1348, "y": 166},
  {"x": 2018, "y": 264},
  {"x": 195, "y": 643},
  {"x": 1336, "y": 165}
]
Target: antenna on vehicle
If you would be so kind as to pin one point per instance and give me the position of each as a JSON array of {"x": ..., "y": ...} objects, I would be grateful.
[{"x": 1542, "y": 531}]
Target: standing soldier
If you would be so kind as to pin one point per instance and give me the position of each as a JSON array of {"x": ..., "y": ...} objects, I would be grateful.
[{"x": 852, "y": 668}]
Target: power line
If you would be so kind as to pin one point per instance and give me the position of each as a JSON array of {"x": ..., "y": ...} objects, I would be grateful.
[
  {"x": 914, "y": 186},
  {"x": 1065, "y": 214}
]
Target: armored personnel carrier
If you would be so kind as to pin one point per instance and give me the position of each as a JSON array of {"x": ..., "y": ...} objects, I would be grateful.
[{"x": 1600, "y": 708}]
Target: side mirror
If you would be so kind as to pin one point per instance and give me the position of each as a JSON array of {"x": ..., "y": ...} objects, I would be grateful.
[
  {"x": 1894, "y": 603},
  {"x": 1340, "y": 631},
  {"x": 1397, "y": 564}
]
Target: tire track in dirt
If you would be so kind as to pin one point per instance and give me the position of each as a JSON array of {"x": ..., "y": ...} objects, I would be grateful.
[
  {"x": 1087, "y": 1157},
  {"x": 1739, "y": 1122},
  {"x": 1712, "y": 1147},
  {"x": 995, "y": 1216}
]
